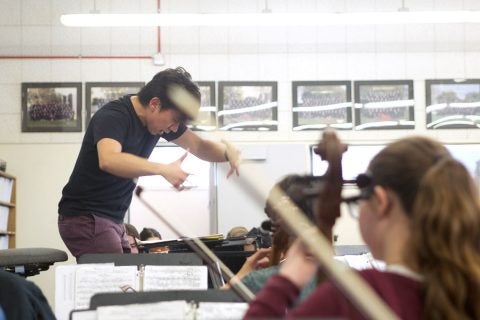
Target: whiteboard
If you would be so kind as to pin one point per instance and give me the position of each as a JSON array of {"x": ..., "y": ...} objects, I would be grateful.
[{"x": 237, "y": 206}]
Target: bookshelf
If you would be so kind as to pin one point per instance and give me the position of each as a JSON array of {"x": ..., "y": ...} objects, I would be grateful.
[{"x": 7, "y": 210}]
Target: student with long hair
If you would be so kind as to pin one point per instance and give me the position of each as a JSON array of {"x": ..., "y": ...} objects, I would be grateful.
[{"x": 420, "y": 214}]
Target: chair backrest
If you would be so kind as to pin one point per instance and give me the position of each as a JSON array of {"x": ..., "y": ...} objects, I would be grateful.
[{"x": 30, "y": 261}]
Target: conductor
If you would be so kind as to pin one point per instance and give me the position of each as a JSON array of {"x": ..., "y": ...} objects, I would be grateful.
[{"x": 115, "y": 149}]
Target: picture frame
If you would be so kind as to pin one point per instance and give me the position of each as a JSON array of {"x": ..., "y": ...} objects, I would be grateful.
[
  {"x": 207, "y": 116},
  {"x": 99, "y": 93},
  {"x": 51, "y": 106},
  {"x": 321, "y": 104},
  {"x": 247, "y": 106},
  {"x": 452, "y": 104},
  {"x": 384, "y": 104}
]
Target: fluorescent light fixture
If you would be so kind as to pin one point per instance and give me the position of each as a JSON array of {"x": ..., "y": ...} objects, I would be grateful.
[{"x": 269, "y": 19}]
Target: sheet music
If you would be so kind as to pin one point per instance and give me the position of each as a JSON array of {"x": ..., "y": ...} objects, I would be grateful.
[
  {"x": 95, "y": 279},
  {"x": 175, "y": 278},
  {"x": 361, "y": 261},
  {"x": 167, "y": 310},
  {"x": 221, "y": 310},
  {"x": 64, "y": 294},
  {"x": 76, "y": 284},
  {"x": 65, "y": 288},
  {"x": 158, "y": 242}
]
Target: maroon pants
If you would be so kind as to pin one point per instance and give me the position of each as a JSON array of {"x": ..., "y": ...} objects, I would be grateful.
[{"x": 92, "y": 234}]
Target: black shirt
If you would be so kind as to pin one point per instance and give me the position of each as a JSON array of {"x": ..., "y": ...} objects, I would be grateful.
[{"x": 91, "y": 190}]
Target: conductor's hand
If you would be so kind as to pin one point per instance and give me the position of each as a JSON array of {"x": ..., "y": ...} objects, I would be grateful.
[
  {"x": 175, "y": 174},
  {"x": 233, "y": 156},
  {"x": 299, "y": 266}
]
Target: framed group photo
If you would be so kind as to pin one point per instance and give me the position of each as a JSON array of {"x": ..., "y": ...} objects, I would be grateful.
[
  {"x": 321, "y": 104},
  {"x": 452, "y": 104},
  {"x": 99, "y": 93},
  {"x": 247, "y": 106},
  {"x": 52, "y": 107},
  {"x": 207, "y": 115},
  {"x": 385, "y": 104}
]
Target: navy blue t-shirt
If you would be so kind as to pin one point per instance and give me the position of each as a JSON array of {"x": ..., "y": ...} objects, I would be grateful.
[{"x": 91, "y": 190}]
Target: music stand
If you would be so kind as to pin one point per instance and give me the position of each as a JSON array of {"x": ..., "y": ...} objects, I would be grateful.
[
  {"x": 131, "y": 259},
  {"x": 119, "y": 298}
]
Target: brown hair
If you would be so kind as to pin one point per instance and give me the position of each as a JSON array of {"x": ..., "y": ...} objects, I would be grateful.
[
  {"x": 293, "y": 186},
  {"x": 131, "y": 230},
  {"x": 441, "y": 198},
  {"x": 238, "y": 231}
]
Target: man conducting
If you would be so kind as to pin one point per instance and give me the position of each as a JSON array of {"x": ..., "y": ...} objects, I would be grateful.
[{"x": 117, "y": 143}]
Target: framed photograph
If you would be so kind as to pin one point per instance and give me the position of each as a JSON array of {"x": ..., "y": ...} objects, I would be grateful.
[
  {"x": 99, "y": 93},
  {"x": 52, "y": 107},
  {"x": 207, "y": 117},
  {"x": 452, "y": 104},
  {"x": 321, "y": 104},
  {"x": 384, "y": 104},
  {"x": 247, "y": 106}
]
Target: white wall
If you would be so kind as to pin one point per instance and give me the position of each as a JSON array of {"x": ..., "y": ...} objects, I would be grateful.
[
  {"x": 240, "y": 201},
  {"x": 43, "y": 161}
]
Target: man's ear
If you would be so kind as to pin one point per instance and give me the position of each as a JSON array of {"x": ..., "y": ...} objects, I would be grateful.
[
  {"x": 154, "y": 104},
  {"x": 383, "y": 201}
]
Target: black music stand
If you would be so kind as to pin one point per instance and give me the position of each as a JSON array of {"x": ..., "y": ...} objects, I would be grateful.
[
  {"x": 131, "y": 259},
  {"x": 119, "y": 298},
  {"x": 30, "y": 261}
]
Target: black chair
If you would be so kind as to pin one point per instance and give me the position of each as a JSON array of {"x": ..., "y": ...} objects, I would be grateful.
[{"x": 30, "y": 261}]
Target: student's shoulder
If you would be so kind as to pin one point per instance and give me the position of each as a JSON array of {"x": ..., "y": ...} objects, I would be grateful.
[
  {"x": 388, "y": 282},
  {"x": 262, "y": 275}
]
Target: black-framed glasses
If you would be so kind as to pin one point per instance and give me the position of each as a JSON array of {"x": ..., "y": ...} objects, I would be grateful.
[
  {"x": 361, "y": 189},
  {"x": 365, "y": 184}
]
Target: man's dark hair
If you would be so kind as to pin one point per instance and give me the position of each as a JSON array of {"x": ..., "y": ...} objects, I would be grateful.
[{"x": 162, "y": 81}]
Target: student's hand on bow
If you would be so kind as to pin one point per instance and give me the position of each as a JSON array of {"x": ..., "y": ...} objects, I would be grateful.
[
  {"x": 299, "y": 266},
  {"x": 258, "y": 260}
]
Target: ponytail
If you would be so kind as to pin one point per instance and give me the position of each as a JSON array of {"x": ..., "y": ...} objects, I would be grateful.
[{"x": 446, "y": 241}]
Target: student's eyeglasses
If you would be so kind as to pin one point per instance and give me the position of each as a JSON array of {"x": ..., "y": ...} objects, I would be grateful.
[
  {"x": 364, "y": 184},
  {"x": 360, "y": 188}
]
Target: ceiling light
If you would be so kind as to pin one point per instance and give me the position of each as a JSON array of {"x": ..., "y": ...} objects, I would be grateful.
[{"x": 270, "y": 19}]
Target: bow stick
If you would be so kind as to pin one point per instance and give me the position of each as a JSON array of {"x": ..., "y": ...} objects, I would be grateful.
[
  {"x": 204, "y": 252},
  {"x": 318, "y": 239}
]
